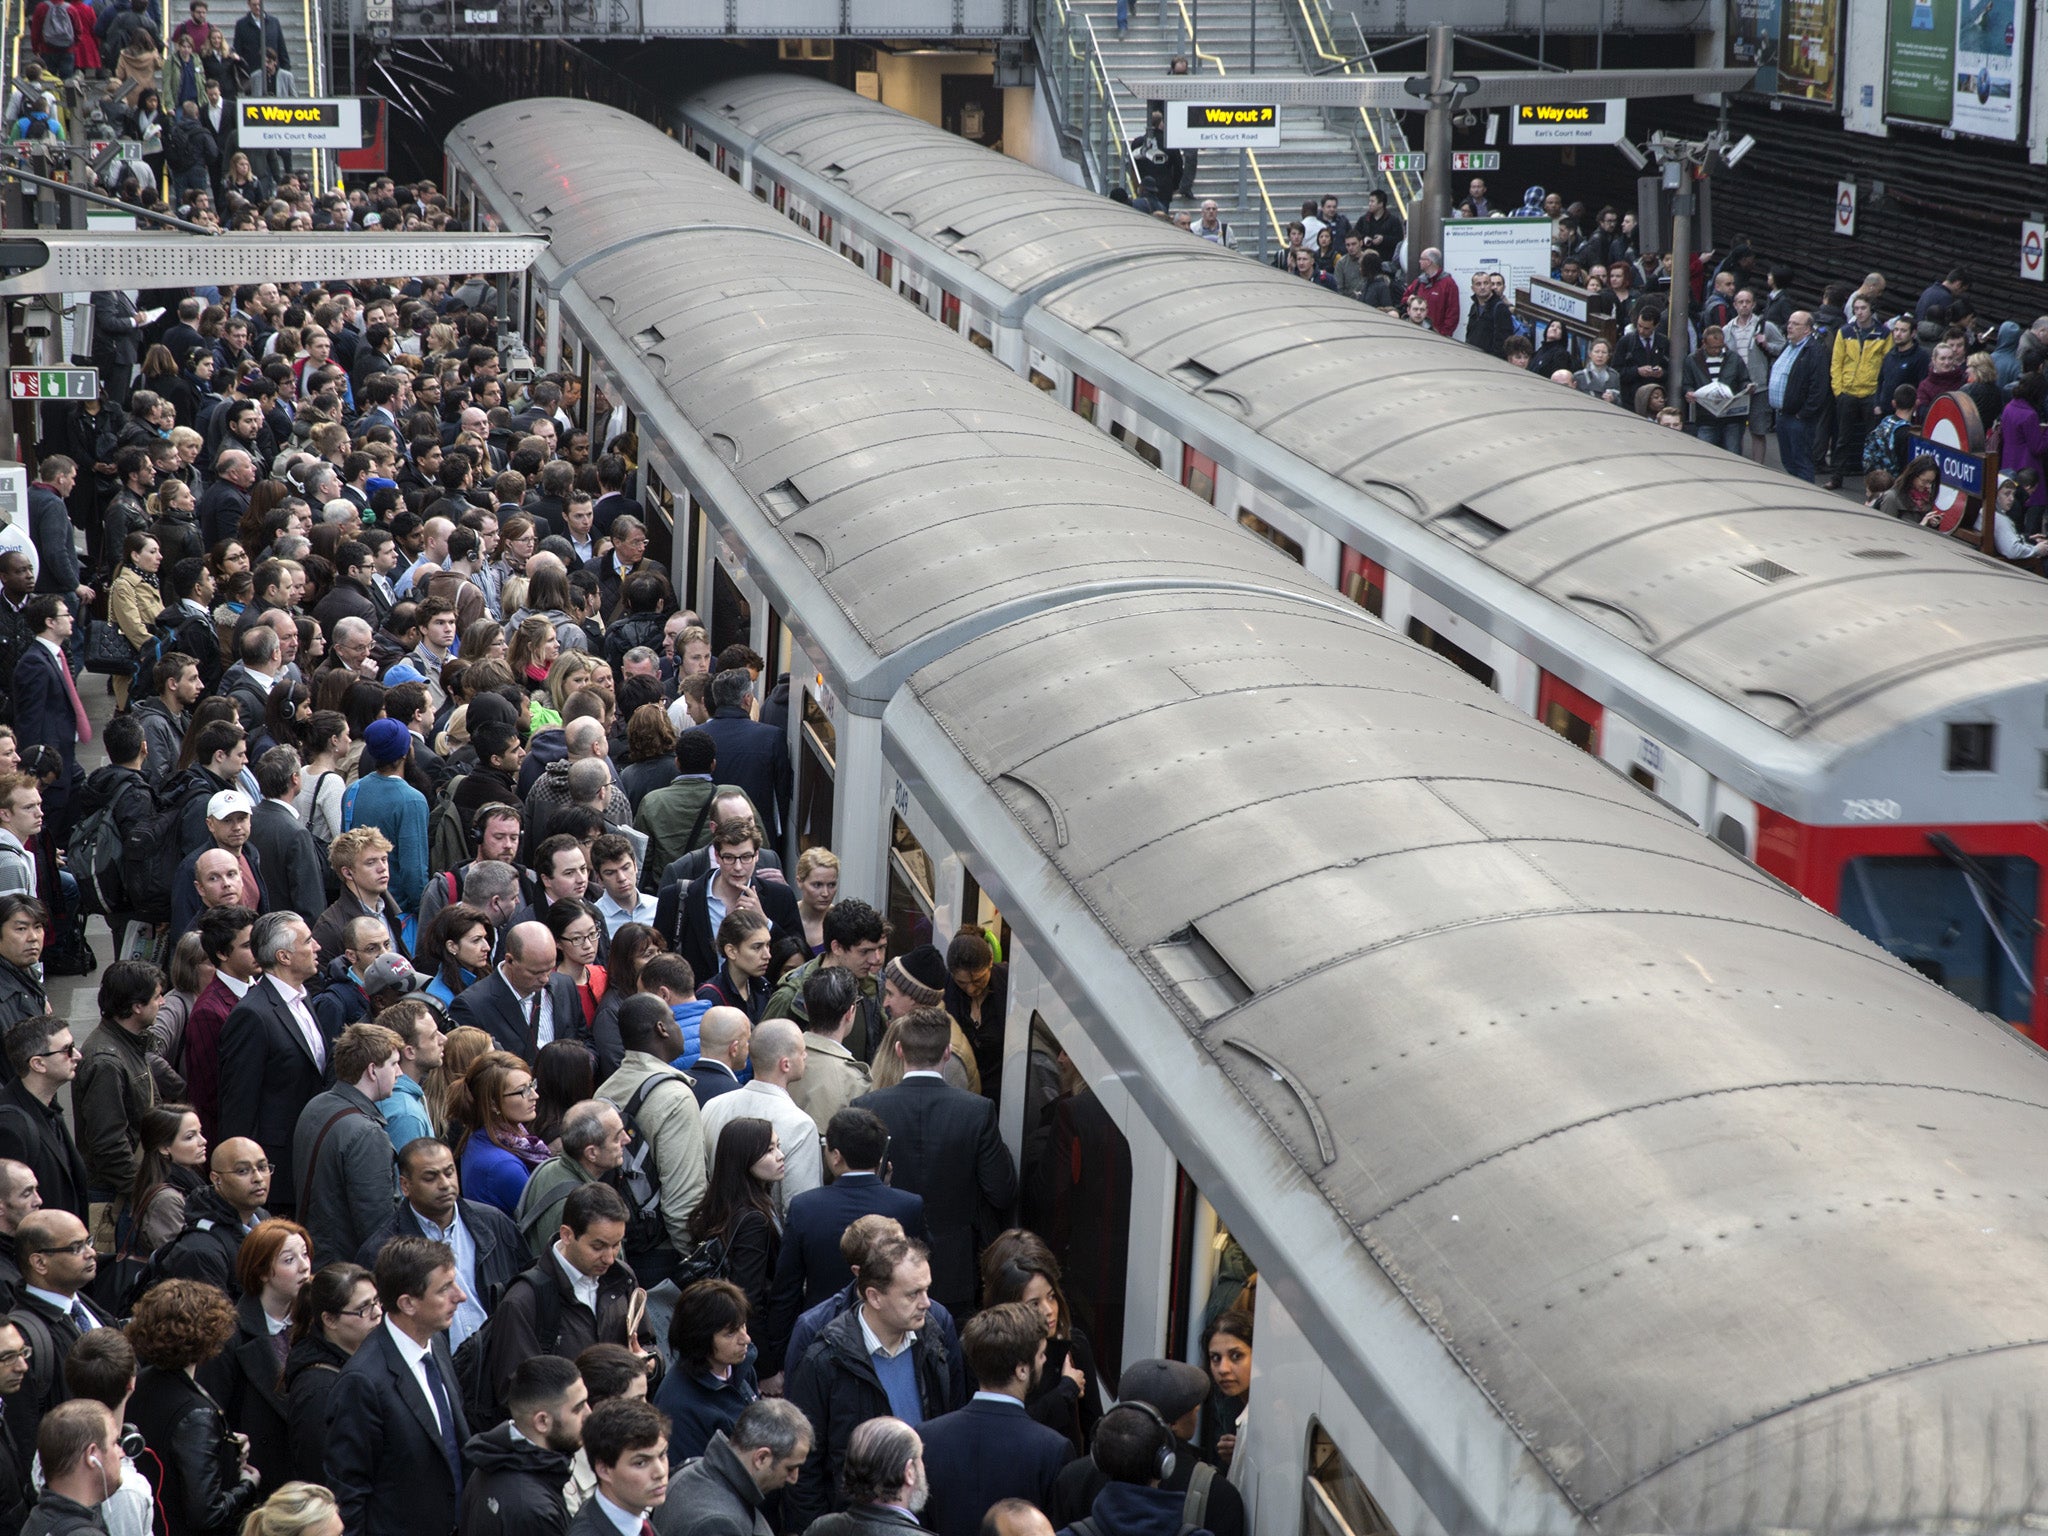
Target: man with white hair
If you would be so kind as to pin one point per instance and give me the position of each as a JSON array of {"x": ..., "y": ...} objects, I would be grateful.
[
  {"x": 350, "y": 647},
  {"x": 585, "y": 741},
  {"x": 341, "y": 510}
]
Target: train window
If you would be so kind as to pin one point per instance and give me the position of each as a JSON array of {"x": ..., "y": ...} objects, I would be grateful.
[
  {"x": 980, "y": 340},
  {"x": 1573, "y": 715},
  {"x": 1085, "y": 397},
  {"x": 910, "y": 890},
  {"x": 1365, "y": 582},
  {"x": 761, "y": 190},
  {"x": 1198, "y": 474},
  {"x": 1336, "y": 1501},
  {"x": 732, "y": 620},
  {"x": 1972, "y": 747},
  {"x": 854, "y": 256},
  {"x": 704, "y": 153},
  {"x": 1043, "y": 381},
  {"x": 781, "y": 198},
  {"x": 1966, "y": 921},
  {"x": 1643, "y": 776},
  {"x": 1568, "y": 725},
  {"x": 977, "y": 910},
  {"x": 949, "y": 311},
  {"x": 1247, "y": 518},
  {"x": 817, "y": 765},
  {"x": 1731, "y": 834},
  {"x": 885, "y": 267},
  {"x": 1076, "y": 1192},
  {"x": 1212, "y": 1276},
  {"x": 1454, "y": 653},
  {"x": 1128, "y": 436}
]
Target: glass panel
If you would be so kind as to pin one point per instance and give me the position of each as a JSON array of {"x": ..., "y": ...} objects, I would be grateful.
[
  {"x": 1971, "y": 929},
  {"x": 814, "y": 769},
  {"x": 1212, "y": 1276},
  {"x": 1076, "y": 1193},
  {"x": 1043, "y": 381},
  {"x": 910, "y": 890},
  {"x": 980, "y": 911},
  {"x": 1144, "y": 450},
  {"x": 1202, "y": 485},
  {"x": 1247, "y": 518},
  {"x": 732, "y": 621},
  {"x": 1336, "y": 1500},
  {"x": 1568, "y": 725},
  {"x": 1451, "y": 651}
]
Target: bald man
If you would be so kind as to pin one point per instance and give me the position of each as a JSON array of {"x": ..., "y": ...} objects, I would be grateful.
[
  {"x": 779, "y": 1057},
  {"x": 725, "y": 1036},
  {"x": 217, "y": 1217},
  {"x": 524, "y": 1003}
]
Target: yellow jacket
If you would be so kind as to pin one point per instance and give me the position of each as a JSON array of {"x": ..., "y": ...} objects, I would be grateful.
[
  {"x": 1858, "y": 359},
  {"x": 133, "y": 604}
]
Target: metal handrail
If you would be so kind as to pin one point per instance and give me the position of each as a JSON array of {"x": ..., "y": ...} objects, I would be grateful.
[
  {"x": 1404, "y": 185},
  {"x": 1109, "y": 102},
  {"x": 316, "y": 84},
  {"x": 1265, "y": 197}
]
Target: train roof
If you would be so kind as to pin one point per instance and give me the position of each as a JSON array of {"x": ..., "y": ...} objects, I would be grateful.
[
  {"x": 1707, "y": 1201},
  {"x": 1828, "y": 623}
]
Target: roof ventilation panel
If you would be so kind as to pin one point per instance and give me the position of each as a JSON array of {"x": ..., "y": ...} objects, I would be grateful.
[
  {"x": 1197, "y": 971},
  {"x": 1192, "y": 374},
  {"x": 784, "y": 501},
  {"x": 1469, "y": 527},
  {"x": 1880, "y": 554},
  {"x": 1766, "y": 571}
]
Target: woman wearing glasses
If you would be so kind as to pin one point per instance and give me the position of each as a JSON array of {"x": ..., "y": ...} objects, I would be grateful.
[
  {"x": 574, "y": 925},
  {"x": 497, "y": 1103},
  {"x": 336, "y": 1311}
]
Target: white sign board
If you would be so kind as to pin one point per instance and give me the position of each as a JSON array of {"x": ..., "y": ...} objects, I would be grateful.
[
  {"x": 298, "y": 122},
  {"x": 1518, "y": 249},
  {"x": 2033, "y": 237},
  {"x": 1572, "y": 122},
  {"x": 1202, "y": 125},
  {"x": 1845, "y": 207}
]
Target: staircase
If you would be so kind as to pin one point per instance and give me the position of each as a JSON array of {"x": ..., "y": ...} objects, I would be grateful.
[{"x": 1313, "y": 159}]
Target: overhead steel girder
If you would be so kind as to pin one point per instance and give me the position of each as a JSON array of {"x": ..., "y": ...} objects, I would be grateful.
[
  {"x": 1482, "y": 89},
  {"x": 78, "y": 261}
]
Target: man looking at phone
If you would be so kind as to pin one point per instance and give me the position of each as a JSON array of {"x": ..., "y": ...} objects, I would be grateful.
[{"x": 688, "y": 916}]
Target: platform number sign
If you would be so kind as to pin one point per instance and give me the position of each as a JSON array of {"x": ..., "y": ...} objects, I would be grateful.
[
  {"x": 2033, "y": 236},
  {"x": 1845, "y": 207}
]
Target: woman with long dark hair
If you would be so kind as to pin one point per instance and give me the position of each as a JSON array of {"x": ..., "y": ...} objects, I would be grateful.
[
  {"x": 1227, "y": 1354},
  {"x": 455, "y": 951},
  {"x": 171, "y": 1167},
  {"x": 567, "y": 1073},
  {"x": 747, "y": 943},
  {"x": 336, "y": 1311},
  {"x": 632, "y": 946},
  {"x": 1019, "y": 1266},
  {"x": 738, "y": 1208},
  {"x": 574, "y": 926},
  {"x": 286, "y": 713}
]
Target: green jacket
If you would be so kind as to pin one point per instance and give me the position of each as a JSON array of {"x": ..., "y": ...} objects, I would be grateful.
[
  {"x": 540, "y": 1203},
  {"x": 787, "y": 1002},
  {"x": 668, "y": 814}
]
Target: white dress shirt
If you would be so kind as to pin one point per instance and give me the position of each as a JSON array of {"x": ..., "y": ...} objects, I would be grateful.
[
  {"x": 616, "y": 917},
  {"x": 415, "y": 1356},
  {"x": 628, "y": 1524},
  {"x": 545, "y": 1033},
  {"x": 584, "y": 1287},
  {"x": 295, "y": 1003}
]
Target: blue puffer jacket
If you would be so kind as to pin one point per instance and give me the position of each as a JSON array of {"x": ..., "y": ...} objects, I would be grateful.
[{"x": 688, "y": 1016}]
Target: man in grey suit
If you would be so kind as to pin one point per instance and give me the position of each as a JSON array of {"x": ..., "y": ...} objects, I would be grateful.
[{"x": 291, "y": 861}]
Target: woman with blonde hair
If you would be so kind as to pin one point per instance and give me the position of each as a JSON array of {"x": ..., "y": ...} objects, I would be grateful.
[
  {"x": 463, "y": 1048},
  {"x": 571, "y": 673},
  {"x": 134, "y": 600},
  {"x": 817, "y": 886},
  {"x": 296, "y": 1509}
]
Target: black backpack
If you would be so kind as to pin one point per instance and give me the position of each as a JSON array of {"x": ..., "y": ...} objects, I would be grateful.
[
  {"x": 479, "y": 1399},
  {"x": 639, "y": 1181}
]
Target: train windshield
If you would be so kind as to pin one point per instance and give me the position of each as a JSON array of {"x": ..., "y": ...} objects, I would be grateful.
[{"x": 1966, "y": 922}]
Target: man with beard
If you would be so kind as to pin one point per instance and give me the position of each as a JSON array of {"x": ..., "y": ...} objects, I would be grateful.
[
  {"x": 992, "y": 1449},
  {"x": 518, "y": 1469}
]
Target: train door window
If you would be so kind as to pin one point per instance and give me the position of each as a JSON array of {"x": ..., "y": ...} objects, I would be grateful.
[
  {"x": 817, "y": 765},
  {"x": 1128, "y": 436},
  {"x": 1336, "y": 1501},
  {"x": 854, "y": 256},
  {"x": 721, "y": 157},
  {"x": 910, "y": 890},
  {"x": 1732, "y": 835},
  {"x": 1972, "y": 747},
  {"x": 1198, "y": 474},
  {"x": 949, "y": 311},
  {"x": 885, "y": 267},
  {"x": 1040, "y": 379},
  {"x": 825, "y": 227},
  {"x": 761, "y": 191},
  {"x": 704, "y": 152},
  {"x": 732, "y": 619},
  {"x": 781, "y": 198},
  {"x": 1964, "y": 920},
  {"x": 1364, "y": 582},
  {"x": 1247, "y": 518},
  {"x": 778, "y": 638},
  {"x": 977, "y": 910},
  {"x": 1454, "y": 653},
  {"x": 980, "y": 338},
  {"x": 1076, "y": 1193},
  {"x": 1212, "y": 1276},
  {"x": 1086, "y": 398},
  {"x": 1572, "y": 714},
  {"x": 658, "y": 501}
]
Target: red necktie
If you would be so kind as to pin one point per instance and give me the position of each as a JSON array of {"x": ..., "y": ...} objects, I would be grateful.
[
  {"x": 646, "y": 1526},
  {"x": 77, "y": 704}
]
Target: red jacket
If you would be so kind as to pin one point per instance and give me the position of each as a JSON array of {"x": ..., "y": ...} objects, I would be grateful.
[{"x": 1442, "y": 297}]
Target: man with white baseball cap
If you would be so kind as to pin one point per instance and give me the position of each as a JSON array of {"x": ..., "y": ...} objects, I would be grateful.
[{"x": 228, "y": 813}]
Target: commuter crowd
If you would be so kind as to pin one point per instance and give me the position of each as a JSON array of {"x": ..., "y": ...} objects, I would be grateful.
[
  {"x": 1839, "y": 374},
  {"x": 483, "y": 1132}
]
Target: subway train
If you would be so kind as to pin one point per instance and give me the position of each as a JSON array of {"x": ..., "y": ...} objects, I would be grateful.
[
  {"x": 1586, "y": 1179},
  {"x": 1858, "y": 705}
]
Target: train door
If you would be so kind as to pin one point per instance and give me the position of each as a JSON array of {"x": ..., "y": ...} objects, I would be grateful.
[
  {"x": 1198, "y": 474},
  {"x": 659, "y": 503},
  {"x": 817, "y": 763},
  {"x": 913, "y": 880}
]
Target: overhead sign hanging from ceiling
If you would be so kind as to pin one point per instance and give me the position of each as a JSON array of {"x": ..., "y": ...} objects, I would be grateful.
[
  {"x": 1206, "y": 125},
  {"x": 297, "y": 122},
  {"x": 1572, "y": 122}
]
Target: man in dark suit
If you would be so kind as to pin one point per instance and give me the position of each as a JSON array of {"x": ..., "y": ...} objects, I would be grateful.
[
  {"x": 684, "y": 913},
  {"x": 991, "y": 1449},
  {"x": 811, "y": 1268},
  {"x": 47, "y": 709},
  {"x": 32, "y": 1128},
  {"x": 751, "y": 755},
  {"x": 57, "y": 1264},
  {"x": 624, "y": 561},
  {"x": 274, "y": 1055},
  {"x": 394, "y": 1417},
  {"x": 944, "y": 1145},
  {"x": 287, "y": 858},
  {"x": 626, "y": 1440},
  {"x": 525, "y": 1003}
]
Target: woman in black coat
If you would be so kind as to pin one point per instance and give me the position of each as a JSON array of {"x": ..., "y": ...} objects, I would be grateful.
[
  {"x": 337, "y": 1310},
  {"x": 738, "y": 1207},
  {"x": 1018, "y": 1266},
  {"x": 247, "y": 1377},
  {"x": 193, "y": 1462}
]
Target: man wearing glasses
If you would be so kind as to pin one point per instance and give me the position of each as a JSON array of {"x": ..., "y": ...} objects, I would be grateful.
[
  {"x": 14, "y": 1460},
  {"x": 32, "y": 1127},
  {"x": 688, "y": 917},
  {"x": 57, "y": 1264}
]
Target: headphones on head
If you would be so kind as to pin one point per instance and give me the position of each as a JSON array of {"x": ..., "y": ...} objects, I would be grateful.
[{"x": 1163, "y": 1467}]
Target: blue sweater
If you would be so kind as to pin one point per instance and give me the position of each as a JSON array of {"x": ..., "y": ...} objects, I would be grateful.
[
  {"x": 699, "y": 1406},
  {"x": 399, "y": 811},
  {"x": 493, "y": 1175},
  {"x": 405, "y": 1113}
]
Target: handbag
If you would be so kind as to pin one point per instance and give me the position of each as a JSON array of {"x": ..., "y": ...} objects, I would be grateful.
[{"x": 107, "y": 650}]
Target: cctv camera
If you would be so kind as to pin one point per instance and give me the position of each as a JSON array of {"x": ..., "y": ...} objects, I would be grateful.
[
  {"x": 1634, "y": 156},
  {"x": 1734, "y": 153}
]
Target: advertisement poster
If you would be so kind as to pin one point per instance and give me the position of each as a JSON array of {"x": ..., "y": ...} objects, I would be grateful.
[
  {"x": 1988, "y": 50},
  {"x": 1809, "y": 60},
  {"x": 1920, "y": 70},
  {"x": 1753, "y": 41}
]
